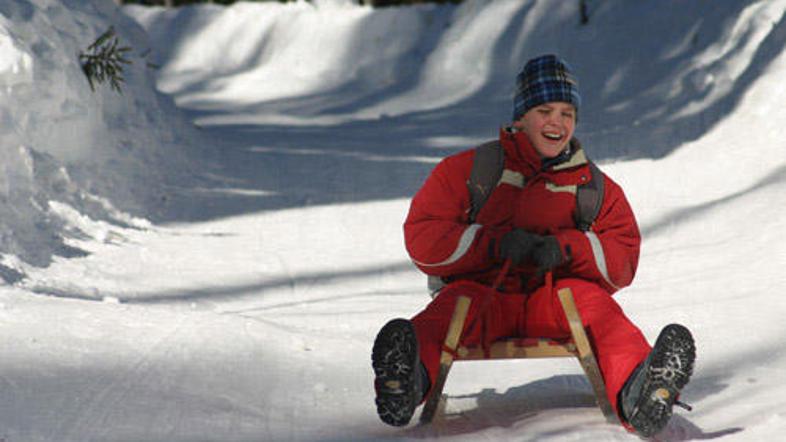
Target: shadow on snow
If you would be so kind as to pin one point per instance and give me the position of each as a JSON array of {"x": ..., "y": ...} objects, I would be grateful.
[
  {"x": 520, "y": 404},
  {"x": 626, "y": 112}
]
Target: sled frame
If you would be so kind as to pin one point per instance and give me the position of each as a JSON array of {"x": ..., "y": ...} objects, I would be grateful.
[{"x": 577, "y": 346}]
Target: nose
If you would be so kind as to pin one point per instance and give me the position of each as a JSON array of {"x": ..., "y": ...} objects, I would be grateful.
[
  {"x": 555, "y": 118},
  {"x": 561, "y": 119}
]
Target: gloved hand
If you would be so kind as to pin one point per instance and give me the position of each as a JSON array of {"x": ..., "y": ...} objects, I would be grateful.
[
  {"x": 517, "y": 246},
  {"x": 547, "y": 253}
]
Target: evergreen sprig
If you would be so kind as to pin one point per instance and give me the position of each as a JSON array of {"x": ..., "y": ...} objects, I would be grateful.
[{"x": 104, "y": 59}]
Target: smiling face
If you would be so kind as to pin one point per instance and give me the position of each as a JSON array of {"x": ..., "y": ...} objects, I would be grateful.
[{"x": 549, "y": 126}]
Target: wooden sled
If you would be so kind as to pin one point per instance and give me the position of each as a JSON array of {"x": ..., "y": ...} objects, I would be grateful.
[{"x": 577, "y": 346}]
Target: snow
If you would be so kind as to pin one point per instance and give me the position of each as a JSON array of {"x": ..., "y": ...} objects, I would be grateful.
[
  {"x": 62, "y": 142},
  {"x": 209, "y": 255}
]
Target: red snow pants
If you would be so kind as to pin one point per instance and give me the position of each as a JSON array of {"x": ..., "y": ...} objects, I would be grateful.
[{"x": 618, "y": 344}]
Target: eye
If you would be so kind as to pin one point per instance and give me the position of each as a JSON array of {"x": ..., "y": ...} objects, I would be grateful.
[{"x": 567, "y": 114}]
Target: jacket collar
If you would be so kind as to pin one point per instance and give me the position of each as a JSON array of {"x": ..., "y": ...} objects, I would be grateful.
[
  {"x": 522, "y": 154},
  {"x": 575, "y": 158}
]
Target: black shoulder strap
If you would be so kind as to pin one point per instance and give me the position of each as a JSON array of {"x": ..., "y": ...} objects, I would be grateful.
[
  {"x": 589, "y": 198},
  {"x": 486, "y": 172}
]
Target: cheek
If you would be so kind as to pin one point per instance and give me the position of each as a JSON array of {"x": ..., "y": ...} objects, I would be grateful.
[
  {"x": 531, "y": 124},
  {"x": 537, "y": 123},
  {"x": 570, "y": 125}
]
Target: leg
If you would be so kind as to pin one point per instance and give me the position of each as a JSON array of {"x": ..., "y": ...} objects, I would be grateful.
[
  {"x": 491, "y": 316},
  {"x": 586, "y": 356},
  {"x": 457, "y": 322},
  {"x": 649, "y": 395},
  {"x": 406, "y": 354},
  {"x": 618, "y": 344},
  {"x": 398, "y": 382}
]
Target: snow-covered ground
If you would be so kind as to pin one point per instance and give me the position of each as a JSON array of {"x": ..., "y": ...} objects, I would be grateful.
[{"x": 226, "y": 282}]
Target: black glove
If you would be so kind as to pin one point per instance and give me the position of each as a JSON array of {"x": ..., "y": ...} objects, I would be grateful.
[
  {"x": 518, "y": 245},
  {"x": 547, "y": 254}
]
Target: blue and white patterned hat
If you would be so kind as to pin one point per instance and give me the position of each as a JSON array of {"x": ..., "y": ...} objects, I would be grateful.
[{"x": 545, "y": 78}]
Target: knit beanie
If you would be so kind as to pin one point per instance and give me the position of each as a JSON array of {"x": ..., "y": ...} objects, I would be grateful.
[{"x": 545, "y": 78}]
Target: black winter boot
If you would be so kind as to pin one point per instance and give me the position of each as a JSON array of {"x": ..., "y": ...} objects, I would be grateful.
[
  {"x": 400, "y": 377},
  {"x": 653, "y": 388}
]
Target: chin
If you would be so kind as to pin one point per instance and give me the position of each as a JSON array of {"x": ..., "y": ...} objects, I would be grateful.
[{"x": 551, "y": 152}]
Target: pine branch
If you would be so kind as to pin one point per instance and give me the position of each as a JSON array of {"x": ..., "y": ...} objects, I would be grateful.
[{"x": 103, "y": 61}]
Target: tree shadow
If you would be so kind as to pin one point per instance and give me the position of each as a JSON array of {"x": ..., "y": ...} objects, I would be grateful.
[
  {"x": 682, "y": 215},
  {"x": 640, "y": 100},
  {"x": 169, "y": 31},
  {"x": 636, "y": 93},
  {"x": 224, "y": 292}
]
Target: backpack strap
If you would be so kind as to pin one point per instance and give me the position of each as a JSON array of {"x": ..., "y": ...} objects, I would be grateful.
[
  {"x": 483, "y": 178},
  {"x": 589, "y": 199},
  {"x": 486, "y": 173}
]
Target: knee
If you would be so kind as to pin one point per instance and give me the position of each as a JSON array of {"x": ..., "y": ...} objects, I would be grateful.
[
  {"x": 435, "y": 318},
  {"x": 470, "y": 289},
  {"x": 592, "y": 301},
  {"x": 480, "y": 298}
]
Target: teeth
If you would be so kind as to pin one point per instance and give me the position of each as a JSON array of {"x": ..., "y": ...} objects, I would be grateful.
[{"x": 552, "y": 136}]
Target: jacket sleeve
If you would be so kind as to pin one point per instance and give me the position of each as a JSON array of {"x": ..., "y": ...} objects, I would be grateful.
[
  {"x": 438, "y": 236},
  {"x": 609, "y": 252}
]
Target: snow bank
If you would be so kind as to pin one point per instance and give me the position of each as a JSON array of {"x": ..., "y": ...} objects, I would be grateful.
[
  {"x": 333, "y": 63},
  {"x": 61, "y": 142},
  {"x": 16, "y": 65}
]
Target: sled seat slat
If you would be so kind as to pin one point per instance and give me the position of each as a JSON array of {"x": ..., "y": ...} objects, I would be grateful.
[{"x": 520, "y": 348}]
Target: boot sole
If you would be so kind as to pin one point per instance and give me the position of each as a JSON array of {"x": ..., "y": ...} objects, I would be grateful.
[
  {"x": 669, "y": 371},
  {"x": 395, "y": 360}
]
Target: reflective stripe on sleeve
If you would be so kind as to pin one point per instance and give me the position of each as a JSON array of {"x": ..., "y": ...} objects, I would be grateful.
[
  {"x": 600, "y": 257},
  {"x": 461, "y": 249}
]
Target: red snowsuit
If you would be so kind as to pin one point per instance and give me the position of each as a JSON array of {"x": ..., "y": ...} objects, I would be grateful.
[{"x": 542, "y": 200}]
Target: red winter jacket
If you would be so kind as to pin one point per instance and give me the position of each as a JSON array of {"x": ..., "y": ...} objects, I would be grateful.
[{"x": 442, "y": 242}]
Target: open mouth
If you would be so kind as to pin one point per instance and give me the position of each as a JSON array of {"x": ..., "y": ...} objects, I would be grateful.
[{"x": 554, "y": 136}]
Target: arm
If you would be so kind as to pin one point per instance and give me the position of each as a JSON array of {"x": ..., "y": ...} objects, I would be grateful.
[
  {"x": 609, "y": 252},
  {"x": 437, "y": 234}
]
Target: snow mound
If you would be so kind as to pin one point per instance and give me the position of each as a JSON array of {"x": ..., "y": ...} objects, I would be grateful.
[{"x": 61, "y": 142}]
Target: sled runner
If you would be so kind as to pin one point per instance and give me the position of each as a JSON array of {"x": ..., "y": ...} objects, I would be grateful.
[{"x": 577, "y": 346}]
